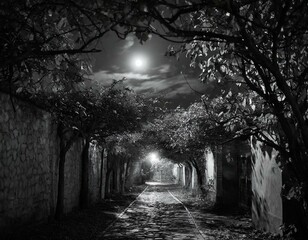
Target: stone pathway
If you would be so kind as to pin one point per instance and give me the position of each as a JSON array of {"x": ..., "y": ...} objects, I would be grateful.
[{"x": 155, "y": 214}]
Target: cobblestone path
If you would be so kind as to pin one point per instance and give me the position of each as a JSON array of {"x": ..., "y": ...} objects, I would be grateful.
[{"x": 156, "y": 214}]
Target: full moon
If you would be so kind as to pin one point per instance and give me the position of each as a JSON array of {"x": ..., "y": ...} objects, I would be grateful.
[{"x": 139, "y": 62}]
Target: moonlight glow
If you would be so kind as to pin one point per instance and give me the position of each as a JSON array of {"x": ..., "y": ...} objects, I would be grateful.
[{"x": 139, "y": 62}]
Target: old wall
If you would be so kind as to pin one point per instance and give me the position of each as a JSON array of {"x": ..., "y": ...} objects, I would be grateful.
[
  {"x": 266, "y": 187},
  {"x": 29, "y": 150}
]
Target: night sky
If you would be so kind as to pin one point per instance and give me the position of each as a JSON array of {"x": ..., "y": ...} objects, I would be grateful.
[{"x": 147, "y": 70}]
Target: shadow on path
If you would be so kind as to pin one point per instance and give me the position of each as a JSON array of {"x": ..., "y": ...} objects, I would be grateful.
[{"x": 157, "y": 213}]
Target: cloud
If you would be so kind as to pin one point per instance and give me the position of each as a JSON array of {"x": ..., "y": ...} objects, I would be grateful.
[
  {"x": 115, "y": 67},
  {"x": 106, "y": 75},
  {"x": 177, "y": 85},
  {"x": 129, "y": 42},
  {"x": 164, "y": 68},
  {"x": 169, "y": 87}
]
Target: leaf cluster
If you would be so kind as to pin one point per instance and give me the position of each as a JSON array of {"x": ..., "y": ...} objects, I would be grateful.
[
  {"x": 42, "y": 40},
  {"x": 94, "y": 114}
]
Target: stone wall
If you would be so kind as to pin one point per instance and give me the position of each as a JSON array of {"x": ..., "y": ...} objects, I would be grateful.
[{"x": 29, "y": 150}]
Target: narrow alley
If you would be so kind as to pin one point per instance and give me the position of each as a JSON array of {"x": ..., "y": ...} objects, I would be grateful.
[{"x": 155, "y": 214}]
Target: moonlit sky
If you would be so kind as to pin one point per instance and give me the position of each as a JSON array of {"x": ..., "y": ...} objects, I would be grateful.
[{"x": 147, "y": 70}]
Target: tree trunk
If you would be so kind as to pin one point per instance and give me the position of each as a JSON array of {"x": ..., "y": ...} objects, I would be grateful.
[
  {"x": 84, "y": 190},
  {"x": 295, "y": 206},
  {"x": 200, "y": 181},
  {"x": 60, "y": 197},
  {"x": 65, "y": 145},
  {"x": 127, "y": 169},
  {"x": 189, "y": 177},
  {"x": 199, "y": 177},
  {"x": 103, "y": 174},
  {"x": 107, "y": 183},
  {"x": 199, "y": 174},
  {"x": 123, "y": 175},
  {"x": 295, "y": 171}
]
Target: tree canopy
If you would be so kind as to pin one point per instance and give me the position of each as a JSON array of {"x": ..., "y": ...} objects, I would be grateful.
[{"x": 42, "y": 40}]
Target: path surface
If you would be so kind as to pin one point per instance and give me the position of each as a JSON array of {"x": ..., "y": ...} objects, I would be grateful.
[{"x": 155, "y": 214}]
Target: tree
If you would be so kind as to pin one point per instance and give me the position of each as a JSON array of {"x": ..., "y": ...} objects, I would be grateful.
[
  {"x": 177, "y": 135},
  {"x": 260, "y": 44},
  {"x": 91, "y": 115},
  {"x": 44, "y": 42},
  {"x": 123, "y": 149},
  {"x": 121, "y": 111}
]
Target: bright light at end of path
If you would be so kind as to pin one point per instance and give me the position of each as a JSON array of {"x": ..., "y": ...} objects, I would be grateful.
[
  {"x": 153, "y": 158},
  {"x": 139, "y": 62}
]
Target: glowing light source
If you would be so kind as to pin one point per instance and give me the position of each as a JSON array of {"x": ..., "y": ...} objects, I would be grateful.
[
  {"x": 139, "y": 62},
  {"x": 153, "y": 157}
]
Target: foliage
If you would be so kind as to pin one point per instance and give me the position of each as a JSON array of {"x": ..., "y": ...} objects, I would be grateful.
[
  {"x": 96, "y": 114},
  {"x": 179, "y": 134},
  {"x": 241, "y": 114},
  {"x": 125, "y": 143},
  {"x": 42, "y": 40}
]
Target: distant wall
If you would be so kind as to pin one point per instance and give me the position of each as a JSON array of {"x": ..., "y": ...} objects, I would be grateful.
[
  {"x": 29, "y": 150},
  {"x": 266, "y": 188}
]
